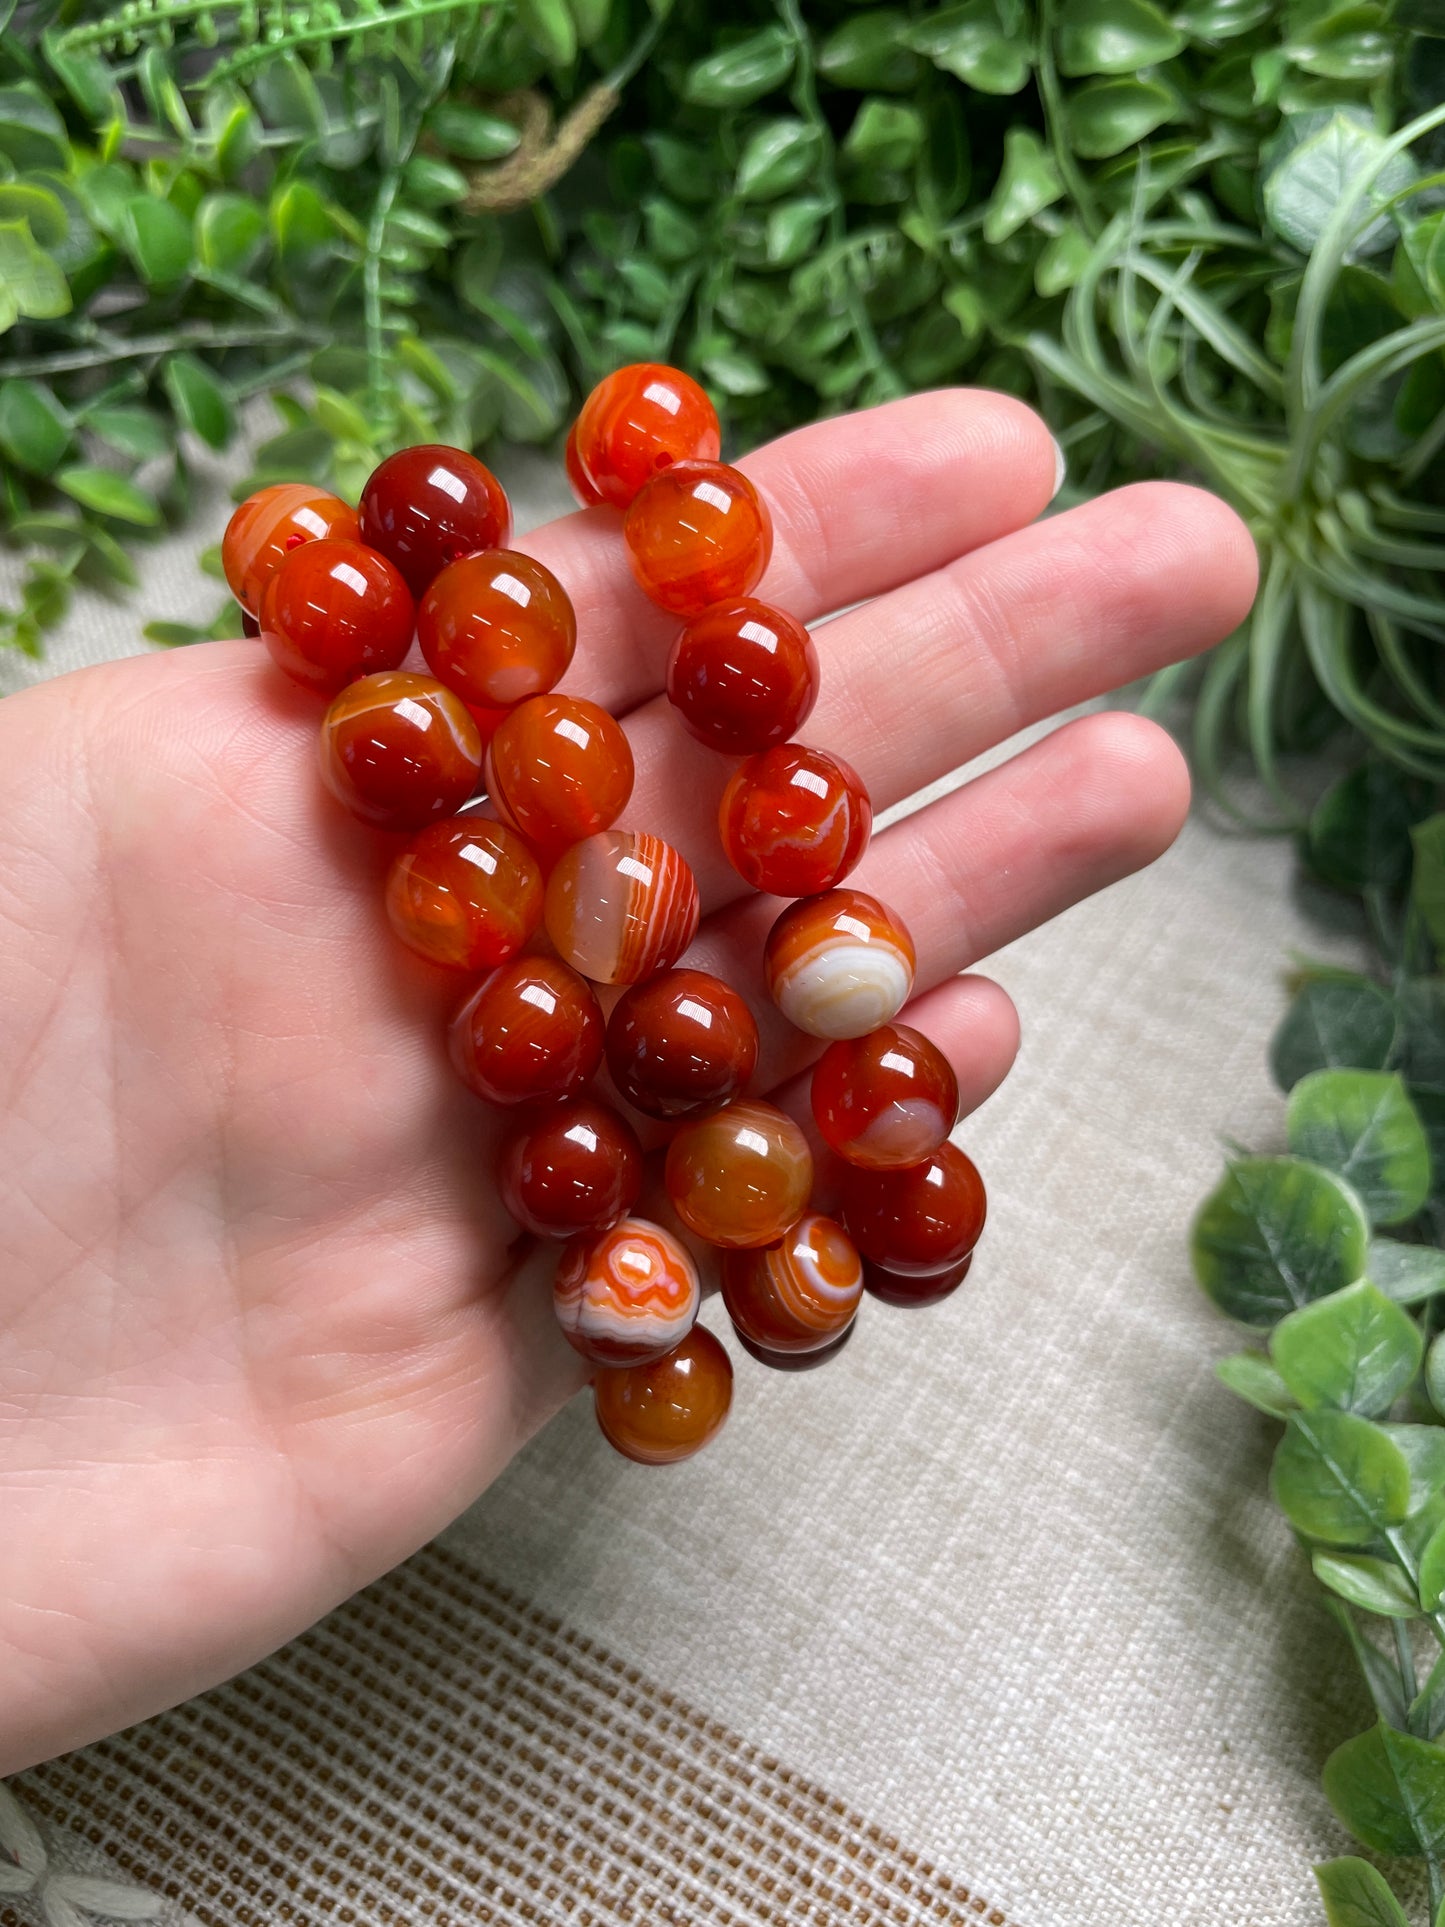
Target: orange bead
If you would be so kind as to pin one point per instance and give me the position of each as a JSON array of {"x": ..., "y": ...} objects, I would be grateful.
[
  {"x": 698, "y": 533},
  {"x": 741, "y": 1176},
  {"x": 559, "y": 769},
  {"x": 269, "y": 525},
  {"x": 335, "y": 610},
  {"x": 794, "y": 820},
  {"x": 424, "y": 507},
  {"x": 886, "y": 1100},
  {"x": 928, "y": 1288},
  {"x": 497, "y": 627},
  {"x": 532, "y": 1029},
  {"x": 400, "y": 750},
  {"x": 626, "y": 1295},
  {"x": 636, "y": 422},
  {"x": 839, "y": 965},
  {"x": 799, "y": 1294},
  {"x": 669, "y": 1409},
  {"x": 583, "y": 487},
  {"x": 621, "y": 906},
  {"x": 797, "y": 1361},
  {"x": 743, "y": 676},
  {"x": 466, "y": 893}
]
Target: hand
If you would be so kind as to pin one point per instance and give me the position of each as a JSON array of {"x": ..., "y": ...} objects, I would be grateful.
[{"x": 259, "y": 1338}]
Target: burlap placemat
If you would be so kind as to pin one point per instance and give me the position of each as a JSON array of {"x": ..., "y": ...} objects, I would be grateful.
[{"x": 989, "y": 1621}]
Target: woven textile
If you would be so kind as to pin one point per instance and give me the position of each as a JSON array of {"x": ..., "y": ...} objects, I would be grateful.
[{"x": 989, "y": 1621}]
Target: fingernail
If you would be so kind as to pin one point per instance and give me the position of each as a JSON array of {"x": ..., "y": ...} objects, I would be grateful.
[{"x": 1061, "y": 468}]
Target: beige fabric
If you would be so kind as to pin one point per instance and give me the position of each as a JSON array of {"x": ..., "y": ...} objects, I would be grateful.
[{"x": 1002, "y": 1582}]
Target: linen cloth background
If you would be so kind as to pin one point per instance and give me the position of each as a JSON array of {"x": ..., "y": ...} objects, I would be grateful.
[{"x": 991, "y": 1619}]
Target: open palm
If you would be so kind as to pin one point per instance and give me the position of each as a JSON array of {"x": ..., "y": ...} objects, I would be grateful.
[{"x": 262, "y": 1330}]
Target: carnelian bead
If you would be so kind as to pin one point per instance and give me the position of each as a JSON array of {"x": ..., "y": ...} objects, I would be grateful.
[
  {"x": 559, "y": 769},
  {"x": 627, "y": 1294},
  {"x": 269, "y": 525},
  {"x": 920, "y": 1220},
  {"x": 928, "y": 1288},
  {"x": 743, "y": 676},
  {"x": 680, "y": 1044},
  {"x": 796, "y": 1295},
  {"x": 794, "y": 821},
  {"x": 497, "y": 627},
  {"x": 839, "y": 965},
  {"x": 335, "y": 610},
  {"x": 740, "y": 1176},
  {"x": 576, "y": 1168},
  {"x": 621, "y": 906},
  {"x": 466, "y": 893},
  {"x": 637, "y": 421},
  {"x": 666, "y": 1410},
  {"x": 698, "y": 533},
  {"x": 424, "y": 507},
  {"x": 532, "y": 1029},
  {"x": 797, "y": 1361},
  {"x": 400, "y": 750},
  {"x": 583, "y": 487},
  {"x": 885, "y": 1100}
]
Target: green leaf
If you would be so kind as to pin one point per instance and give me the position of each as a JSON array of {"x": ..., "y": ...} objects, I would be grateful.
[
  {"x": 1368, "y": 1583},
  {"x": 1435, "y": 1373},
  {"x": 40, "y": 208},
  {"x": 1423, "y": 1449},
  {"x": 200, "y": 402},
  {"x": 1250, "y": 1376},
  {"x": 742, "y": 72},
  {"x": 140, "y": 433},
  {"x": 777, "y": 155},
  {"x": 885, "y": 134},
  {"x": 35, "y": 429},
  {"x": 230, "y": 230},
  {"x": 1307, "y": 184},
  {"x": 984, "y": 43},
  {"x": 157, "y": 237},
  {"x": 1348, "y": 42},
  {"x": 1357, "y": 1895},
  {"x": 1275, "y": 1234},
  {"x": 1334, "y": 1023},
  {"x": 1338, "y": 1478},
  {"x": 1388, "y": 1788},
  {"x": 1222, "y": 19},
  {"x": 549, "y": 25},
  {"x": 1063, "y": 260},
  {"x": 433, "y": 183},
  {"x": 31, "y": 284},
  {"x": 1432, "y": 1571},
  {"x": 1355, "y": 1351},
  {"x": 1427, "y": 882},
  {"x": 736, "y": 374},
  {"x": 873, "y": 50},
  {"x": 1359, "y": 833},
  {"x": 32, "y": 134},
  {"x": 110, "y": 494},
  {"x": 1114, "y": 37},
  {"x": 1407, "y": 1273},
  {"x": 1028, "y": 183},
  {"x": 1362, "y": 1125},
  {"x": 301, "y": 223},
  {"x": 1106, "y": 116}
]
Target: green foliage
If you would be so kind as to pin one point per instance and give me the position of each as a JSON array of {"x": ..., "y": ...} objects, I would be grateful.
[{"x": 1191, "y": 238}]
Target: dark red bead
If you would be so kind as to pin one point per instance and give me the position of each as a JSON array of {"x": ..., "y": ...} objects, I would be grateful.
[
  {"x": 681, "y": 1044},
  {"x": 532, "y": 1029},
  {"x": 796, "y": 1361},
  {"x": 400, "y": 750},
  {"x": 743, "y": 676},
  {"x": 576, "y": 1168},
  {"x": 424, "y": 507},
  {"x": 497, "y": 627},
  {"x": 928, "y": 1288},
  {"x": 920, "y": 1220},
  {"x": 794, "y": 821},
  {"x": 335, "y": 610}
]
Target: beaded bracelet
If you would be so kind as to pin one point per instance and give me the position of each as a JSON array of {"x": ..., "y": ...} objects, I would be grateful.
[{"x": 546, "y": 899}]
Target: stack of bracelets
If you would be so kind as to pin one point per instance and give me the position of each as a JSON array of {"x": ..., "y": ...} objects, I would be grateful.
[{"x": 544, "y": 899}]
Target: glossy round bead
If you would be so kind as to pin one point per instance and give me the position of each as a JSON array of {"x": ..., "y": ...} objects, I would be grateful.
[
  {"x": 424, "y": 507},
  {"x": 928, "y": 1288},
  {"x": 583, "y": 487},
  {"x": 794, "y": 820},
  {"x": 680, "y": 1044},
  {"x": 269, "y": 525},
  {"x": 400, "y": 750},
  {"x": 920, "y": 1220},
  {"x": 621, "y": 906},
  {"x": 698, "y": 533},
  {"x": 885, "y": 1100},
  {"x": 497, "y": 627},
  {"x": 335, "y": 610},
  {"x": 839, "y": 965},
  {"x": 743, "y": 676},
  {"x": 667, "y": 1410},
  {"x": 466, "y": 893},
  {"x": 798, "y": 1294},
  {"x": 638, "y": 421},
  {"x": 740, "y": 1176},
  {"x": 626, "y": 1295},
  {"x": 797, "y": 1361},
  {"x": 559, "y": 769},
  {"x": 577, "y": 1168},
  {"x": 532, "y": 1029}
]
